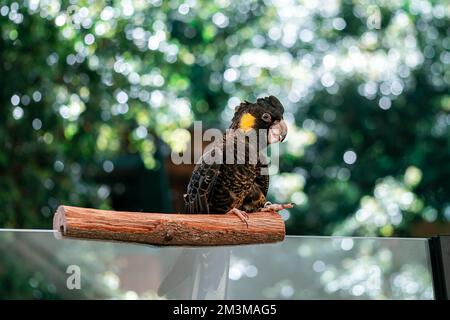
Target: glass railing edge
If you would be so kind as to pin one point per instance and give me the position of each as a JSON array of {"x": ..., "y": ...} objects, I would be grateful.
[{"x": 287, "y": 236}]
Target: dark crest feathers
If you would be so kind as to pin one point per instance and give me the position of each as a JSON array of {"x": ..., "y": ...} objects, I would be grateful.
[{"x": 270, "y": 103}]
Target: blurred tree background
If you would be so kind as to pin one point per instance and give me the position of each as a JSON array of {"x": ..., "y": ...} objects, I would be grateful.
[{"x": 95, "y": 94}]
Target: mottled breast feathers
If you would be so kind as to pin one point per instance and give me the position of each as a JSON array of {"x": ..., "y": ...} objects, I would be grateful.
[{"x": 219, "y": 187}]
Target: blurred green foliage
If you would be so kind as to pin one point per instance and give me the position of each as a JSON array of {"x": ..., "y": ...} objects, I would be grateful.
[{"x": 365, "y": 85}]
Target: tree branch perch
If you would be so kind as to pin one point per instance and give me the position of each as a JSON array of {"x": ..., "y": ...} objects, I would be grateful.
[{"x": 168, "y": 229}]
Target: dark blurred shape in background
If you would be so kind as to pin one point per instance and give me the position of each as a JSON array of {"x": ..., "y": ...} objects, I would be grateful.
[{"x": 95, "y": 95}]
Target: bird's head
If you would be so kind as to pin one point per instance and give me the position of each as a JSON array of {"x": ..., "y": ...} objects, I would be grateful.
[{"x": 265, "y": 114}]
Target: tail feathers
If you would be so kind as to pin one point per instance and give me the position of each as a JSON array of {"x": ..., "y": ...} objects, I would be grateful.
[{"x": 182, "y": 270}]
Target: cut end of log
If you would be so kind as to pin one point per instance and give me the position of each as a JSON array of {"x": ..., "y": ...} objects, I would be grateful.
[
  {"x": 59, "y": 220},
  {"x": 168, "y": 229}
]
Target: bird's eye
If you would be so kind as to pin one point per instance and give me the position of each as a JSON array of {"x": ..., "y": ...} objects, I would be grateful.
[{"x": 266, "y": 117}]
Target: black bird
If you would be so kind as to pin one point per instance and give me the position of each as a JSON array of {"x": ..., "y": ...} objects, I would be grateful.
[
  {"x": 230, "y": 186},
  {"x": 220, "y": 187}
]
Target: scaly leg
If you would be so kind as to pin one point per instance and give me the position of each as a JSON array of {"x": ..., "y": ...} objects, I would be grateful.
[
  {"x": 241, "y": 214},
  {"x": 275, "y": 207}
]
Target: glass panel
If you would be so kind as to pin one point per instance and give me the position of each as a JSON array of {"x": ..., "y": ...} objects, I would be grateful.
[{"x": 36, "y": 264}]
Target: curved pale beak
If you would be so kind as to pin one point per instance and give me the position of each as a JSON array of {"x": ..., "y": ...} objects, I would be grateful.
[{"x": 277, "y": 132}]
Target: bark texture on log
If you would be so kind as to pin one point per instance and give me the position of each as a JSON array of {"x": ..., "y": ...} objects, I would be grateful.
[{"x": 168, "y": 229}]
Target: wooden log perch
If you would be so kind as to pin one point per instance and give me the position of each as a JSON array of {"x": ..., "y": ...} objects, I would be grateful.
[{"x": 168, "y": 229}]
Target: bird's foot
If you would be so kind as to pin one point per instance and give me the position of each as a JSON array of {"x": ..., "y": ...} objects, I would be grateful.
[
  {"x": 241, "y": 214},
  {"x": 275, "y": 207}
]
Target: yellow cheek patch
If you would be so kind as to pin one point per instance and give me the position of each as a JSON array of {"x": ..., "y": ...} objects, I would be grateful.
[{"x": 247, "y": 122}]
